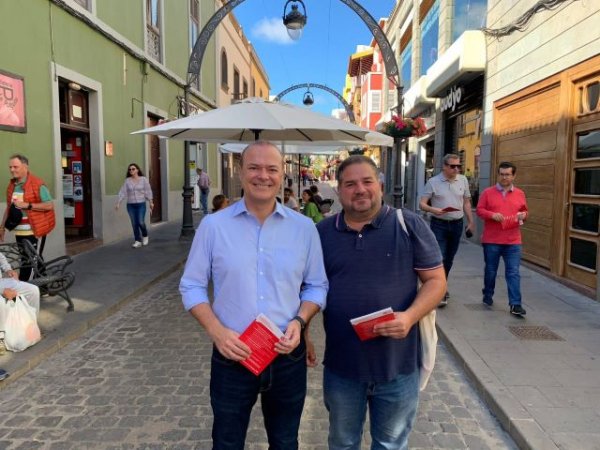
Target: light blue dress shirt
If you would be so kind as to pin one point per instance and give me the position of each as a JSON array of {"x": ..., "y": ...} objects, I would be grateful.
[{"x": 269, "y": 268}]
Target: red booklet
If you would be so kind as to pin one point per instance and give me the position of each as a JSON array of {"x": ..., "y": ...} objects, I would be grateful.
[
  {"x": 363, "y": 325},
  {"x": 261, "y": 336},
  {"x": 510, "y": 222},
  {"x": 450, "y": 209}
]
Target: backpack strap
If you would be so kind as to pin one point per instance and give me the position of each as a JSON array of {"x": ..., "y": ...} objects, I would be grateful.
[{"x": 401, "y": 220}]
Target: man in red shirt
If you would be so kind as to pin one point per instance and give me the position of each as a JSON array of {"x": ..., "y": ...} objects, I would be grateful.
[{"x": 504, "y": 209}]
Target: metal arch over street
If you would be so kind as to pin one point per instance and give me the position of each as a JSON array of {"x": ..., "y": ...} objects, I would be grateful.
[
  {"x": 323, "y": 87},
  {"x": 389, "y": 59}
]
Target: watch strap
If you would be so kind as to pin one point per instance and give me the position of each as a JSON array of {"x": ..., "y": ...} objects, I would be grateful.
[{"x": 301, "y": 321}]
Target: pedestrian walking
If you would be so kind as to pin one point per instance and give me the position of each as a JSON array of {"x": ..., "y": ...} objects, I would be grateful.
[
  {"x": 255, "y": 269},
  {"x": 204, "y": 186},
  {"x": 503, "y": 208},
  {"x": 372, "y": 264},
  {"x": 29, "y": 209},
  {"x": 447, "y": 197},
  {"x": 136, "y": 190}
]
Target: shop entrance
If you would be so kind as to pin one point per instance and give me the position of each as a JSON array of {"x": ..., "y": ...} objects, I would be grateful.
[
  {"x": 75, "y": 162},
  {"x": 154, "y": 172}
]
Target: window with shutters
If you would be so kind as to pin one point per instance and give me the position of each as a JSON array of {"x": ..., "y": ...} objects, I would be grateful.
[{"x": 153, "y": 29}]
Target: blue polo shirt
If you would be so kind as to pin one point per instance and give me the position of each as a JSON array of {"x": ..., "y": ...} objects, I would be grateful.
[{"x": 367, "y": 271}]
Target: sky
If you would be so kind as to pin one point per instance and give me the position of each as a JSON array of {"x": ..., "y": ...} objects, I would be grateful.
[{"x": 320, "y": 56}]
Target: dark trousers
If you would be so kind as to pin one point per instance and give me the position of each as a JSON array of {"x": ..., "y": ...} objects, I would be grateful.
[
  {"x": 447, "y": 233},
  {"x": 234, "y": 391},
  {"x": 25, "y": 272}
]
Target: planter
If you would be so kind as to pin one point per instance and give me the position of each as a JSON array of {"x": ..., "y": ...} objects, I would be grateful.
[{"x": 403, "y": 133}]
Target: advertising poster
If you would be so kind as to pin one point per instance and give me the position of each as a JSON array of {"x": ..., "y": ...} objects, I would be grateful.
[
  {"x": 67, "y": 186},
  {"x": 12, "y": 102}
]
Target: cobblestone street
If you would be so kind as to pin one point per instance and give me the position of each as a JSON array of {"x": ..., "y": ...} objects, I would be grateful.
[{"x": 139, "y": 380}]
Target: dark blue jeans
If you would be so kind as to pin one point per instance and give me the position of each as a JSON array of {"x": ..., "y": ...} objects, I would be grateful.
[
  {"x": 234, "y": 391},
  {"x": 447, "y": 233},
  {"x": 204, "y": 200},
  {"x": 511, "y": 254},
  {"x": 392, "y": 409},
  {"x": 137, "y": 214}
]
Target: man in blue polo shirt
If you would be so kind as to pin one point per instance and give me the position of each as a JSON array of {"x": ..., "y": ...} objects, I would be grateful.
[{"x": 371, "y": 264}]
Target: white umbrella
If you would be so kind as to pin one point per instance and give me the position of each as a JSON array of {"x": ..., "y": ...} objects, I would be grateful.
[
  {"x": 253, "y": 119},
  {"x": 289, "y": 149}
]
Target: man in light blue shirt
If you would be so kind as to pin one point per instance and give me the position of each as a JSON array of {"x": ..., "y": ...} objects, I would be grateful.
[{"x": 262, "y": 258}]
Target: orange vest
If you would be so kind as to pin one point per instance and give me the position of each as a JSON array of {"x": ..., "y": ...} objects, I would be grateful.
[{"x": 42, "y": 222}]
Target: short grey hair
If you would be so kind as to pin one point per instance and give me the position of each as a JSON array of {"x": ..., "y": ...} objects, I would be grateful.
[
  {"x": 450, "y": 156},
  {"x": 20, "y": 157},
  {"x": 260, "y": 143}
]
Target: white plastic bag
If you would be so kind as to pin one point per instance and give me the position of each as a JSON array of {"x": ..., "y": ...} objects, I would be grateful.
[
  {"x": 429, "y": 340},
  {"x": 20, "y": 329}
]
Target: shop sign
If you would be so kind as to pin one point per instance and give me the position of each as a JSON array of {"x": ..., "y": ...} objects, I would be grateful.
[{"x": 452, "y": 99}]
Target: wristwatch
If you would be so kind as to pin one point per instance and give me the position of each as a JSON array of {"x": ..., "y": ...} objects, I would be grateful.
[
  {"x": 29, "y": 206},
  {"x": 300, "y": 321}
]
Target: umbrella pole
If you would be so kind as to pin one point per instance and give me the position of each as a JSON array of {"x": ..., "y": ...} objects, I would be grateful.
[
  {"x": 284, "y": 174},
  {"x": 299, "y": 173}
]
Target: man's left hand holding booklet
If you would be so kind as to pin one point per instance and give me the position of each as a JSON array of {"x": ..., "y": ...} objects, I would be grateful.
[
  {"x": 363, "y": 325},
  {"x": 261, "y": 336}
]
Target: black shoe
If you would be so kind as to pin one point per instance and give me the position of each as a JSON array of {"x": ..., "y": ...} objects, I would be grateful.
[
  {"x": 444, "y": 301},
  {"x": 488, "y": 301},
  {"x": 517, "y": 310}
]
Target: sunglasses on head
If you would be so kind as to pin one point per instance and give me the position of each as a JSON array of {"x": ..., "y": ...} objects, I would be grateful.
[{"x": 454, "y": 166}]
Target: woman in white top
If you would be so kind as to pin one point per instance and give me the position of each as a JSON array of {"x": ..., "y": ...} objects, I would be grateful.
[{"x": 136, "y": 189}]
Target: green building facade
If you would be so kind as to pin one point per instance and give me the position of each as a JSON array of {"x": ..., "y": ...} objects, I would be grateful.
[{"x": 76, "y": 78}]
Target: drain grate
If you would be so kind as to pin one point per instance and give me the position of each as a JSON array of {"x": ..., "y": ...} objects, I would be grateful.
[
  {"x": 477, "y": 306},
  {"x": 128, "y": 330},
  {"x": 534, "y": 333}
]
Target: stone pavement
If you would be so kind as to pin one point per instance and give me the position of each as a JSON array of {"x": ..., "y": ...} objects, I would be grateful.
[
  {"x": 545, "y": 393},
  {"x": 139, "y": 380},
  {"x": 544, "y": 387},
  {"x": 106, "y": 278}
]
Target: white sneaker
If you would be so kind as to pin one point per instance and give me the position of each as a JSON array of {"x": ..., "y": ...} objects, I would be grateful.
[
  {"x": 144, "y": 240},
  {"x": 136, "y": 244}
]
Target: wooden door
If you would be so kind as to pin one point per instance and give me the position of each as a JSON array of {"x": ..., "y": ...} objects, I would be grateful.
[
  {"x": 583, "y": 227},
  {"x": 154, "y": 175}
]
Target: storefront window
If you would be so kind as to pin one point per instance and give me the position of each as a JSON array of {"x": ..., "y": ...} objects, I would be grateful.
[
  {"x": 406, "y": 66},
  {"x": 583, "y": 253},
  {"x": 588, "y": 144},
  {"x": 468, "y": 15},
  {"x": 585, "y": 217},
  {"x": 587, "y": 181},
  {"x": 429, "y": 38}
]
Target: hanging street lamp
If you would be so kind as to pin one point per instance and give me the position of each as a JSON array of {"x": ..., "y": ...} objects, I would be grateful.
[{"x": 295, "y": 20}]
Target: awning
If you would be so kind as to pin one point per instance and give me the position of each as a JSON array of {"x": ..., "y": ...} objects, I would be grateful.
[
  {"x": 415, "y": 99},
  {"x": 360, "y": 63},
  {"x": 461, "y": 63}
]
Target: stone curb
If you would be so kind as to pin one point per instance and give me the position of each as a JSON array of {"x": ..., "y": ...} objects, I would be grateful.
[{"x": 520, "y": 425}]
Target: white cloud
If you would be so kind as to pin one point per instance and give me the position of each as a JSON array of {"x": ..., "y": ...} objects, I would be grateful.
[{"x": 271, "y": 30}]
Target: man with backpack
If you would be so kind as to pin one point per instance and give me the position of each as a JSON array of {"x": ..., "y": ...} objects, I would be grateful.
[{"x": 372, "y": 264}]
